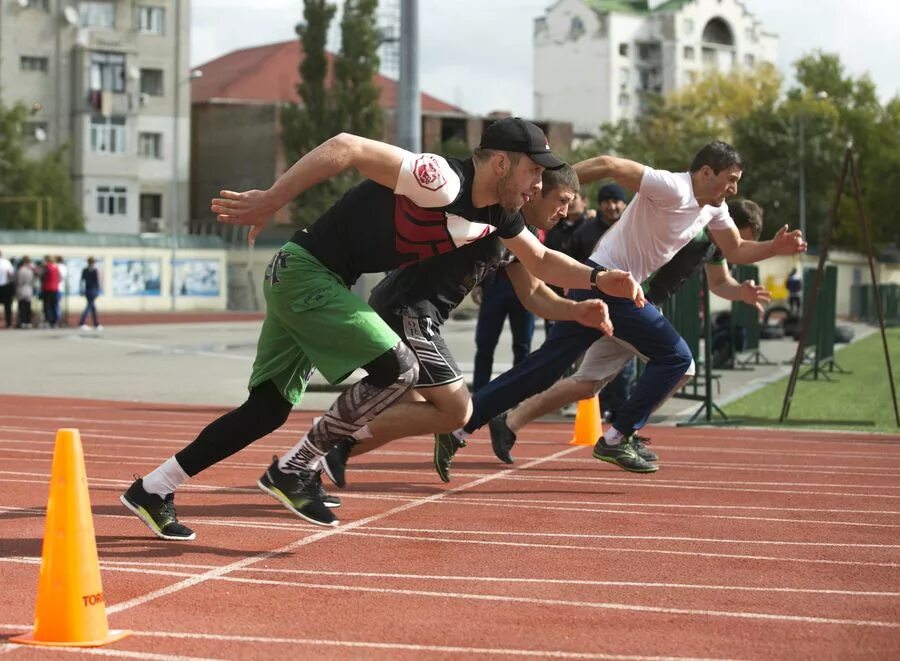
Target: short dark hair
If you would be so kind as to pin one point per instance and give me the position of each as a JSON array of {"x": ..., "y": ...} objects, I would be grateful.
[
  {"x": 747, "y": 213},
  {"x": 564, "y": 177},
  {"x": 718, "y": 155}
]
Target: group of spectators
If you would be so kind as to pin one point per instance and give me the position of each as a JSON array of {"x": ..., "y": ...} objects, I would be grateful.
[{"x": 24, "y": 281}]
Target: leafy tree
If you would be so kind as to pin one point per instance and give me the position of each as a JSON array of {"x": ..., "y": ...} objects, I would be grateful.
[
  {"x": 349, "y": 104},
  {"x": 22, "y": 177},
  {"x": 305, "y": 126}
]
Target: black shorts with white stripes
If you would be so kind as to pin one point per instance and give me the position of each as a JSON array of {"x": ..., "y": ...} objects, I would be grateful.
[{"x": 422, "y": 334}]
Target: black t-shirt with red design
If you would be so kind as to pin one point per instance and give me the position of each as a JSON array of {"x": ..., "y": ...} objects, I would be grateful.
[{"x": 371, "y": 229}]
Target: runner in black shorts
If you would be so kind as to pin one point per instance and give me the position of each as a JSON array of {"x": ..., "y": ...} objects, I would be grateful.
[
  {"x": 416, "y": 300},
  {"x": 411, "y": 207}
]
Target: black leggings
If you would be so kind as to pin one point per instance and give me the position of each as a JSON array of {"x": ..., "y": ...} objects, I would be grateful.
[{"x": 264, "y": 411}]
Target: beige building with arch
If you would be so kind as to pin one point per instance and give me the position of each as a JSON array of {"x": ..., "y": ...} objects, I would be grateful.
[{"x": 599, "y": 61}]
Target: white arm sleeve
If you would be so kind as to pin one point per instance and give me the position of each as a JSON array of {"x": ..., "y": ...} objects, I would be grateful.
[
  {"x": 665, "y": 188},
  {"x": 428, "y": 180}
]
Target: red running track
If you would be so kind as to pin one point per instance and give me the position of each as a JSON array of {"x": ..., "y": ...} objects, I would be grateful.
[{"x": 747, "y": 544}]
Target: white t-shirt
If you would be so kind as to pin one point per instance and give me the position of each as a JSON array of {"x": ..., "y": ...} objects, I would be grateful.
[
  {"x": 662, "y": 218},
  {"x": 6, "y": 271}
]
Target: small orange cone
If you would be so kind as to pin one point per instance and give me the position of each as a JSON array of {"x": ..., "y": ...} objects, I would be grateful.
[
  {"x": 588, "y": 422},
  {"x": 70, "y": 610}
]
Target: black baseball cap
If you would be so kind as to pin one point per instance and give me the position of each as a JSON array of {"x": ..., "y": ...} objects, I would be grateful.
[
  {"x": 611, "y": 192},
  {"x": 517, "y": 135}
]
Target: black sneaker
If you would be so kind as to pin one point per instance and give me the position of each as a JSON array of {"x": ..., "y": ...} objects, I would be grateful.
[
  {"x": 299, "y": 492},
  {"x": 502, "y": 438},
  {"x": 445, "y": 446},
  {"x": 622, "y": 455},
  {"x": 157, "y": 513},
  {"x": 335, "y": 461},
  {"x": 639, "y": 443},
  {"x": 327, "y": 498}
]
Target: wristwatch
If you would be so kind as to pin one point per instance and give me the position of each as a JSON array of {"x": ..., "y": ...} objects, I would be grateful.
[{"x": 597, "y": 270}]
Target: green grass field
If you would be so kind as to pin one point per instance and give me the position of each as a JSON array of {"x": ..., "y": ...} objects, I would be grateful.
[{"x": 860, "y": 399}]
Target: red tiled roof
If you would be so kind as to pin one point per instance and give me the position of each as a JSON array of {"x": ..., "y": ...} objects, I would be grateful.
[{"x": 270, "y": 73}]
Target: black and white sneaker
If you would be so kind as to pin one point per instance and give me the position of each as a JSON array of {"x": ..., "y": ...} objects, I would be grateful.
[
  {"x": 445, "y": 446},
  {"x": 157, "y": 513},
  {"x": 502, "y": 438},
  {"x": 334, "y": 463},
  {"x": 327, "y": 498},
  {"x": 301, "y": 493}
]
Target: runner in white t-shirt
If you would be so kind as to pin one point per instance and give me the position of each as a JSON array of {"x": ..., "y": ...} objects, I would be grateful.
[
  {"x": 667, "y": 212},
  {"x": 7, "y": 288}
]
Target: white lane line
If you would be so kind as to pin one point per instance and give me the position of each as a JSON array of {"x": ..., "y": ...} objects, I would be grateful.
[
  {"x": 372, "y": 645},
  {"x": 654, "y": 538},
  {"x": 167, "y": 350},
  {"x": 141, "y": 568},
  {"x": 607, "y": 549},
  {"x": 246, "y": 562}
]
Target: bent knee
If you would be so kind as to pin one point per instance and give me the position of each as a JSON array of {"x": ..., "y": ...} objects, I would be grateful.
[{"x": 397, "y": 366}]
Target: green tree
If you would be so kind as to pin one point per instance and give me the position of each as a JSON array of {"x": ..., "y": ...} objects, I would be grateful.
[
  {"x": 306, "y": 125},
  {"x": 349, "y": 104},
  {"x": 23, "y": 177}
]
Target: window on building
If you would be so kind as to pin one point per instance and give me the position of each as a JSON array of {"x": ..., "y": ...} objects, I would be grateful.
[
  {"x": 97, "y": 13},
  {"x": 43, "y": 5},
  {"x": 623, "y": 50},
  {"x": 152, "y": 82},
  {"x": 150, "y": 145},
  {"x": 151, "y": 20},
  {"x": 624, "y": 101},
  {"x": 31, "y": 63},
  {"x": 624, "y": 73},
  {"x": 687, "y": 26},
  {"x": 576, "y": 29},
  {"x": 112, "y": 200},
  {"x": 718, "y": 31},
  {"x": 749, "y": 61},
  {"x": 35, "y": 131},
  {"x": 151, "y": 206},
  {"x": 108, "y": 135},
  {"x": 689, "y": 53},
  {"x": 108, "y": 72}
]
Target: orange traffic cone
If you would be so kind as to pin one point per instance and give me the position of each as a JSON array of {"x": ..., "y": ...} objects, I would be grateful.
[
  {"x": 588, "y": 422},
  {"x": 70, "y": 610}
]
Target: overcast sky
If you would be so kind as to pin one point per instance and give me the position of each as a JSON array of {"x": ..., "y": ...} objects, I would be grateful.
[{"x": 477, "y": 54}]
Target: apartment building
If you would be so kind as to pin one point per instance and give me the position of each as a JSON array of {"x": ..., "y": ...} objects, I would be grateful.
[
  {"x": 599, "y": 61},
  {"x": 110, "y": 79}
]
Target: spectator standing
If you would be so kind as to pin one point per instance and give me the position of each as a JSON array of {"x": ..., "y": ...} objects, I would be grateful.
[
  {"x": 794, "y": 286},
  {"x": 24, "y": 291},
  {"x": 62, "y": 301},
  {"x": 50, "y": 291},
  {"x": 7, "y": 288},
  {"x": 90, "y": 289}
]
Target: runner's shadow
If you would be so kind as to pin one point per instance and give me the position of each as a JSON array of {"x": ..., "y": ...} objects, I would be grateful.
[
  {"x": 149, "y": 546},
  {"x": 393, "y": 487}
]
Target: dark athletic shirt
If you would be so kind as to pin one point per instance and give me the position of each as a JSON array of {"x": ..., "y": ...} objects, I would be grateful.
[
  {"x": 435, "y": 287},
  {"x": 370, "y": 229},
  {"x": 682, "y": 266}
]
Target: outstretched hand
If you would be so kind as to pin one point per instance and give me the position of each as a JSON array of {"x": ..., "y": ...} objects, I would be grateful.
[
  {"x": 251, "y": 207},
  {"x": 753, "y": 294},
  {"x": 788, "y": 243},
  {"x": 593, "y": 313},
  {"x": 621, "y": 285}
]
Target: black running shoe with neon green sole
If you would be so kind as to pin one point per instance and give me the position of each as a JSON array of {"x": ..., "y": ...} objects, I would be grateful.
[
  {"x": 445, "y": 446},
  {"x": 502, "y": 438},
  {"x": 639, "y": 443},
  {"x": 623, "y": 455},
  {"x": 156, "y": 513},
  {"x": 301, "y": 493}
]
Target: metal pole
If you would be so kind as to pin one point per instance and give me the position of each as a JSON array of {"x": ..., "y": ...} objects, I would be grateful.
[
  {"x": 802, "y": 152},
  {"x": 409, "y": 106},
  {"x": 173, "y": 222}
]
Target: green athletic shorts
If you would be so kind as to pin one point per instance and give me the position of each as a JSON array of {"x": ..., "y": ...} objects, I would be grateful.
[{"x": 313, "y": 322}]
